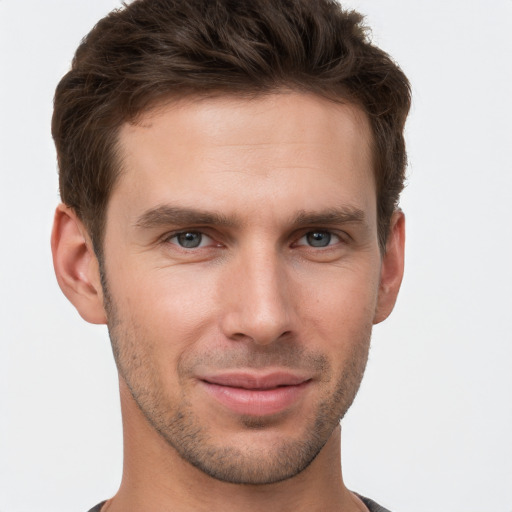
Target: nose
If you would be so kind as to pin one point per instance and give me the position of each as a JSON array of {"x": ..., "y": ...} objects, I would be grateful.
[{"x": 256, "y": 298}]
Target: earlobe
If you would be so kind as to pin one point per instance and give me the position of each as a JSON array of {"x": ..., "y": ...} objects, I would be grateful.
[
  {"x": 76, "y": 265},
  {"x": 392, "y": 268}
]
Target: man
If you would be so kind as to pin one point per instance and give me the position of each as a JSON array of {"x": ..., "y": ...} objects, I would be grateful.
[{"x": 230, "y": 174}]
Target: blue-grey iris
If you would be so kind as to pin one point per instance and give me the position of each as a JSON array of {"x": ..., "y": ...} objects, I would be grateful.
[
  {"x": 319, "y": 238},
  {"x": 189, "y": 239}
]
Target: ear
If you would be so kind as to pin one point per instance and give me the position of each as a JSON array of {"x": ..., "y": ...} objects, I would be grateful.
[
  {"x": 76, "y": 265},
  {"x": 392, "y": 268}
]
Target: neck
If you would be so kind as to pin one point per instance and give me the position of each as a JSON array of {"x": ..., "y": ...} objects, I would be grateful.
[{"x": 156, "y": 478}]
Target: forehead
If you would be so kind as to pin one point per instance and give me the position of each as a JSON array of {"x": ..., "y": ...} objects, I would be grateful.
[{"x": 276, "y": 149}]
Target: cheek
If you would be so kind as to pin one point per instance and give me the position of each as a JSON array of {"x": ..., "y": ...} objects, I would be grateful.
[
  {"x": 166, "y": 308},
  {"x": 339, "y": 307}
]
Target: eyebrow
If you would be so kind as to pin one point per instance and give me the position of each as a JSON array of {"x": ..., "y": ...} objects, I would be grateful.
[
  {"x": 167, "y": 215},
  {"x": 331, "y": 216},
  {"x": 174, "y": 215}
]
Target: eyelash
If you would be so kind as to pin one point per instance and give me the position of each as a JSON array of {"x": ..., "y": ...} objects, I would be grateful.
[
  {"x": 331, "y": 234},
  {"x": 170, "y": 237}
]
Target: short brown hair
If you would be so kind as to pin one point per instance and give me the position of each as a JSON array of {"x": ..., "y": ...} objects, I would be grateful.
[{"x": 153, "y": 49}]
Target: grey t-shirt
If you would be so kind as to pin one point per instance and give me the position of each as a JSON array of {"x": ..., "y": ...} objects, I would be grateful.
[{"x": 372, "y": 506}]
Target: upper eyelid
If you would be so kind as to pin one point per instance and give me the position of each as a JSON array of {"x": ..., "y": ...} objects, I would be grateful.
[
  {"x": 171, "y": 234},
  {"x": 331, "y": 232},
  {"x": 341, "y": 234},
  {"x": 174, "y": 234}
]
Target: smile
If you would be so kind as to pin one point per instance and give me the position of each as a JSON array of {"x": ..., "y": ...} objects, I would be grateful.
[{"x": 256, "y": 395}]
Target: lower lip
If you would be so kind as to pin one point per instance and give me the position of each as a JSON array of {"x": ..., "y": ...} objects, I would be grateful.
[{"x": 256, "y": 402}]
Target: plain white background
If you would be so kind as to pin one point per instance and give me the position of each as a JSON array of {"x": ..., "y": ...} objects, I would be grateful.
[{"x": 431, "y": 428}]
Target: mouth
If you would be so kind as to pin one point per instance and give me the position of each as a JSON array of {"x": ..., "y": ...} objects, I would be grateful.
[{"x": 256, "y": 394}]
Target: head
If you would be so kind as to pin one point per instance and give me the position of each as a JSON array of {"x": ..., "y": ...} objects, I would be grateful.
[
  {"x": 160, "y": 50},
  {"x": 231, "y": 173}
]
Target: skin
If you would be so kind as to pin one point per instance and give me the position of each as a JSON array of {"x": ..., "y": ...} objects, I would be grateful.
[{"x": 253, "y": 181}]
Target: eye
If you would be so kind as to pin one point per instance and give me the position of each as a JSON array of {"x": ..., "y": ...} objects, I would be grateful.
[
  {"x": 190, "y": 239},
  {"x": 319, "y": 239}
]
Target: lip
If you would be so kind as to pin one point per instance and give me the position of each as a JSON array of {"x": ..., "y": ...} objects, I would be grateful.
[{"x": 256, "y": 394}]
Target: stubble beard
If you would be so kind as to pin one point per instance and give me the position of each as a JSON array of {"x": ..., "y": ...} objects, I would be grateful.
[{"x": 179, "y": 426}]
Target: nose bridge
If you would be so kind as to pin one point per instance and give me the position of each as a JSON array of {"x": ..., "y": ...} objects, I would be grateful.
[{"x": 259, "y": 305}]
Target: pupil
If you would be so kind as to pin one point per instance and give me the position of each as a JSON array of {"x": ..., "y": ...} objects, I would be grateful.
[
  {"x": 189, "y": 240},
  {"x": 319, "y": 238}
]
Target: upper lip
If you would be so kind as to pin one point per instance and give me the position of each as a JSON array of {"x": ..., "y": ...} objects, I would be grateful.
[{"x": 256, "y": 381}]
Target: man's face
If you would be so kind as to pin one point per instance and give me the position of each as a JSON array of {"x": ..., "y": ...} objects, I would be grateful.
[{"x": 242, "y": 275}]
